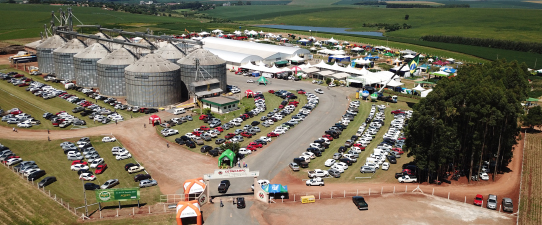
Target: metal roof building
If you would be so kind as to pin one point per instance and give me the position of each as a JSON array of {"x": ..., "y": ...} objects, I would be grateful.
[
  {"x": 86, "y": 68},
  {"x": 44, "y": 52},
  {"x": 235, "y": 58},
  {"x": 63, "y": 56},
  {"x": 111, "y": 81}
]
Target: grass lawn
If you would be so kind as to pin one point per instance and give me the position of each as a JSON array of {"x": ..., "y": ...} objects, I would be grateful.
[
  {"x": 50, "y": 157},
  {"x": 271, "y": 101},
  {"x": 353, "y": 171},
  {"x": 20, "y": 203}
]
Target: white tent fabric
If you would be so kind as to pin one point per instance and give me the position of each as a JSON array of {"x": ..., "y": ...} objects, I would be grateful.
[
  {"x": 203, "y": 33},
  {"x": 362, "y": 61},
  {"x": 297, "y": 58},
  {"x": 404, "y": 69},
  {"x": 340, "y": 76},
  {"x": 425, "y": 93},
  {"x": 397, "y": 60},
  {"x": 312, "y": 49},
  {"x": 450, "y": 59},
  {"x": 252, "y": 32},
  {"x": 311, "y": 70},
  {"x": 254, "y": 47},
  {"x": 217, "y": 31},
  {"x": 357, "y": 49},
  {"x": 303, "y": 40},
  {"x": 273, "y": 69},
  {"x": 234, "y": 57},
  {"x": 419, "y": 88},
  {"x": 332, "y": 40},
  {"x": 392, "y": 83},
  {"x": 326, "y": 73},
  {"x": 408, "y": 56}
]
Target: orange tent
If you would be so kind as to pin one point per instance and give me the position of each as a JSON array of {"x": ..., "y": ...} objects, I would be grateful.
[
  {"x": 193, "y": 186},
  {"x": 188, "y": 209}
]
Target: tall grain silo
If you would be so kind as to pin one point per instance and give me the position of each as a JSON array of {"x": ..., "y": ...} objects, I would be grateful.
[
  {"x": 44, "y": 52},
  {"x": 111, "y": 81},
  {"x": 86, "y": 69},
  {"x": 153, "y": 81},
  {"x": 170, "y": 52},
  {"x": 211, "y": 66},
  {"x": 63, "y": 57}
]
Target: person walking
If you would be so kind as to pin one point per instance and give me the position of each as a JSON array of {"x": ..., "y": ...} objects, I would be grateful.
[
  {"x": 144, "y": 125},
  {"x": 14, "y": 129},
  {"x": 167, "y": 145},
  {"x": 221, "y": 204},
  {"x": 48, "y": 138},
  {"x": 48, "y": 132}
]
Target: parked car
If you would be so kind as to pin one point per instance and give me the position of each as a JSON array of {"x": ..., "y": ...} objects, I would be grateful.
[
  {"x": 317, "y": 181},
  {"x": 223, "y": 186},
  {"x": 478, "y": 199},
  {"x": 87, "y": 177},
  {"x": 36, "y": 175},
  {"x": 294, "y": 166},
  {"x": 147, "y": 183},
  {"x": 135, "y": 169},
  {"x": 360, "y": 203},
  {"x": 100, "y": 168},
  {"x": 46, "y": 181},
  {"x": 141, "y": 177},
  {"x": 507, "y": 205},
  {"x": 91, "y": 186},
  {"x": 110, "y": 183},
  {"x": 492, "y": 202}
]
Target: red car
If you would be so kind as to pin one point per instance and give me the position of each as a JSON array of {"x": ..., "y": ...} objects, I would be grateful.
[
  {"x": 398, "y": 150},
  {"x": 204, "y": 128},
  {"x": 407, "y": 171},
  {"x": 16, "y": 112},
  {"x": 23, "y": 84},
  {"x": 18, "y": 75},
  {"x": 293, "y": 103},
  {"x": 257, "y": 145},
  {"x": 220, "y": 129},
  {"x": 202, "y": 117},
  {"x": 230, "y": 135},
  {"x": 197, "y": 133},
  {"x": 402, "y": 138},
  {"x": 281, "y": 106},
  {"x": 100, "y": 169},
  {"x": 478, "y": 199},
  {"x": 272, "y": 91},
  {"x": 57, "y": 122},
  {"x": 245, "y": 116},
  {"x": 301, "y": 92},
  {"x": 79, "y": 162},
  {"x": 359, "y": 146},
  {"x": 60, "y": 112},
  {"x": 246, "y": 134},
  {"x": 27, "y": 79},
  {"x": 272, "y": 134},
  {"x": 329, "y": 137},
  {"x": 251, "y": 148},
  {"x": 397, "y": 112}
]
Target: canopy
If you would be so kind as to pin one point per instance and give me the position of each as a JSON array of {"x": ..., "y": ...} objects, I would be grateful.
[
  {"x": 275, "y": 188},
  {"x": 262, "y": 80},
  {"x": 408, "y": 56},
  {"x": 188, "y": 209},
  {"x": 303, "y": 40},
  {"x": 425, "y": 93},
  {"x": 440, "y": 73},
  {"x": 448, "y": 70},
  {"x": 357, "y": 49},
  {"x": 419, "y": 88},
  {"x": 392, "y": 83},
  {"x": 252, "y": 32},
  {"x": 217, "y": 31},
  {"x": 297, "y": 59},
  {"x": 332, "y": 40},
  {"x": 154, "y": 118},
  {"x": 249, "y": 93},
  {"x": 532, "y": 100},
  {"x": 203, "y": 33},
  {"x": 388, "y": 54},
  {"x": 193, "y": 186},
  {"x": 228, "y": 154}
]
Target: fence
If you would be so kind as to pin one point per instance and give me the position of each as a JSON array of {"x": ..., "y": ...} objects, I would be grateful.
[{"x": 174, "y": 198}]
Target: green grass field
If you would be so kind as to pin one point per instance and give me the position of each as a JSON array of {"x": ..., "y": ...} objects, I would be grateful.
[
  {"x": 271, "y": 101},
  {"x": 257, "y": 12},
  {"x": 353, "y": 171},
  {"x": 50, "y": 157}
]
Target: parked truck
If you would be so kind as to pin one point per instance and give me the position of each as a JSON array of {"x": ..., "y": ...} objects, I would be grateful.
[
  {"x": 318, "y": 173},
  {"x": 407, "y": 179}
]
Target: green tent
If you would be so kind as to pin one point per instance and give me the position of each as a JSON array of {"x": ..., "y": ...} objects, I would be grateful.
[
  {"x": 231, "y": 156},
  {"x": 281, "y": 63},
  {"x": 389, "y": 54},
  {"x": 262, "y": 80},
  {"x": 532, "y": 100}
]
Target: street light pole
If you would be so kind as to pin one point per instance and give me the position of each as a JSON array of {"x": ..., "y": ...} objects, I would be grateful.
[{"x": 85, "y": 194}]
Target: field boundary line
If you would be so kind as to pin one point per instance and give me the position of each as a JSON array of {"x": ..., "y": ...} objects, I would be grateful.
[
  {"x": 22, "y": 99},
  {"x": 521, "y": 179}
]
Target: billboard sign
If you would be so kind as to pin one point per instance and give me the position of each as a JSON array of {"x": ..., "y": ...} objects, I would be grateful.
[{"x": 117, "y": 194}]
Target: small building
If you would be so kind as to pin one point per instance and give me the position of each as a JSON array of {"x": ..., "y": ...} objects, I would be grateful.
[{"x": 220, "y": 104}]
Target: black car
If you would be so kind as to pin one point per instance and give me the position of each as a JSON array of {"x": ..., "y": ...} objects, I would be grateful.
[
  {"x": 223, "y": 186},
  {"x": 255, "y": 123},
  {"x": 48, "y": 116},
  {"x": 151, "y": 110},
  {"x": 190, "y": 144},
  {"x": 46, "y": 181},
  {"x": 79, "y": 123},
  {"x": 342, "y": 149},
  {"x": 79, "y": 172},
  {"x": 241, "y": 203},
  {"x": 260, "y": 141},
  {"x": 78, "y": 109},
  {"x": 392, "y": 159},
  {"x": 360, "y": 202},
  {"x": 316, "y": 151},
  {"x": 141, "y": 177},
  {"x": 347, "y": 161},
  {"x": 179, "y": 141},
  {"x": 127, "y": 166},
  {"x": 91, "y": 186},
  {"x": 214, "y": 152},
  {"x": 205, "y": 148},
  {"x": 36, "y": 175}
]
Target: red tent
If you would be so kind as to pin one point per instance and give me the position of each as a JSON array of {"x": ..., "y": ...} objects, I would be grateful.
[
  {"x": 154, "y": 118},
  {"x": 249, "y": 93}
]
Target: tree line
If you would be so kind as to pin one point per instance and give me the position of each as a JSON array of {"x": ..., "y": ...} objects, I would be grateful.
[
  {"x": 387, "y": 26},
  {"x": 427, "y": 6},
  {"x": 487, "y": 42},
  {"x": 469, "y": 119}
]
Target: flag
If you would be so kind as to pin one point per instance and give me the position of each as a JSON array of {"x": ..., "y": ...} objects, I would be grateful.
[{"x": 413, "y": 64}]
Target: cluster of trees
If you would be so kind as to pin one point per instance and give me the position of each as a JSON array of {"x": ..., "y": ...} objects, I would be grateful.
[
  {"x": 485, "y": 42},
  {"x": 387, "y": 26},
  {"x": 427, "y": 6},
  {"x": 371, "y": 3},
  {"x": 468, "y": 119}
]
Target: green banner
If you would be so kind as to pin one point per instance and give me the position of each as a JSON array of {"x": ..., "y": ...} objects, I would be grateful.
[{"x": 117, "y": 194}]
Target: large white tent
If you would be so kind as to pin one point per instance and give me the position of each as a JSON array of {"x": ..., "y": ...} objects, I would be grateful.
[
  {"x": 234, "y": 58},
  {"x": 279, "y": 52}
]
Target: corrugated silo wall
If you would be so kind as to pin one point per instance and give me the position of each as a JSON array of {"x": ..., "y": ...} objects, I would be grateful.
[
  {"x": 188, "y": 75},
  {"x": 64, "y": 65},
  {"x": 218, "y": 72},
  {"x": 46, "y": 62},
  {"x": 111, "y": 80},
  {"x": 153, "y": 89},
  {"x": 86, "y": 72}
]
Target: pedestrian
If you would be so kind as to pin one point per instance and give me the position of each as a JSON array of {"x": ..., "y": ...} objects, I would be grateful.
[
  {"x": 221, "y": 204},
  {"x": 246, "y": 165},
  {"x": 144, "y": 125},
  {"x": 116, "y": 122},
  {"x": 14, "y": 129},
  {"x": 17, "y": 130},
  {"x": 48, "y": 138},
  {"x": 48, "y": 131},
  {"x": 167, "y": 145}
]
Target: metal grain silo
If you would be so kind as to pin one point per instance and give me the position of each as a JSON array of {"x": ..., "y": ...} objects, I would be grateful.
[
  {"x": 170, "y": 52},
  {"x": 86, "y": 69},
  {"x": 44, "y": 52},
  {"x": 153, "y": 81},
  {"x": 211, "y": 66},
  {"x": 111, "y": 80},
  {"x": 63, "y": 57}
]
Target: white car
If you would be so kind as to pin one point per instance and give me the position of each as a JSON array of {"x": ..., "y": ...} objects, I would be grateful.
[
  {"x": 250, "y": 81},
  {"x": 270, "y": 122},
  {"x": 279, "y": 131},
  {"x": 78, "y": 167},
  {"x": 309, "y": 154},
  {"x": 109, "y": 139},
  {"x": 25, "y": 124},
  {"x": 338, "y": 168},
  {"x": 135, "y": 169},
  {"x": 342, "y": 164},
  {"x": 87, "y": 177},
  {"x": 13, "y": 161},
  {"x": 96, "y": 162},
  {"x": 319, "y": 91},
  {"x": 244, "y": 151},
  {"x": 261, "y": 183},
  {"x": 330, "y": 162},
  {"x": 235, "y": 90},
  {"x": 332, "y": 84},
  {"x": 190, "y": 135},
  {"x": 125, "y": 155},
  {"x": 315, "y": 182},
  {"x": 266, "y": 139},
  {"x": 385, "y": 166},
  {"x": 484, "y": 176},
  {"x": 30, "y": 171}
]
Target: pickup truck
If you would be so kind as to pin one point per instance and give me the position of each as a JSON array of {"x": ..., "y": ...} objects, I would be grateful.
[
  {"x": 407, "y": 179},
  {"x": 318, "y": 173},
  {"x": 223, "y": 186},
  {"x": 315, "y": 182}
]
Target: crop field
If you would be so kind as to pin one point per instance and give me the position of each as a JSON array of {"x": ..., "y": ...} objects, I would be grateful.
[
  {"x": 531, "y": 191},
  {"x": 352, "y": 172},
  {"x": 260, "y": 12},
  {"x": 271, "y": 102},
  {"x": 50, "y": 157}
]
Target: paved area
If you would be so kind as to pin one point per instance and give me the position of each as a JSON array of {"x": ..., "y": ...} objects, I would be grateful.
[{"x": 230, "y": 214}]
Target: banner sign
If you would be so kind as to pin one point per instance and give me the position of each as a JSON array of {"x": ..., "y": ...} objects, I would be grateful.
[{"x": 117, "y": 194}]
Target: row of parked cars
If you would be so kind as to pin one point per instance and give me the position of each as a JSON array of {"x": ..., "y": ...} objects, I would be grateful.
[
  {"x": 17, "y": 116},
  {"x": 28, "y": 169}
]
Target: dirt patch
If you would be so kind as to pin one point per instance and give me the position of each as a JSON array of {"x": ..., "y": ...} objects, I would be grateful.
[{"x": 424, "y": 209}]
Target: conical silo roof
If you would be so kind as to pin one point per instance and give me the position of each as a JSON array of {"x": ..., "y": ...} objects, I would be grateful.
[
  {"x": 120, "y": 56},
  {"x": 94, "y": 51},
  {"x": 169, "y": 51},
  {"x": 205, "y": 58},
  {"x": 34, "y": 44},
  {"x": 52, "y": 42},
  {"x": 137, "y": 50},
  {"x": 152, "y": 63},
  {"x": 73, "y": 46}
]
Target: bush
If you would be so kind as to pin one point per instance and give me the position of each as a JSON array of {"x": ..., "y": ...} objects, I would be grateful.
[
  {"x": 328, "y": 81},
  {"x": 206, "y": 111}
]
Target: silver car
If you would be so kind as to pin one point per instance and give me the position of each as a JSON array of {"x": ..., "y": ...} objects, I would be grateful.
[
  {"x": 492, "y": 202},
  {"x": 147, "y": 183},
  {"x": 367, "y": 169},
  {"x": 110, "y": 183}
]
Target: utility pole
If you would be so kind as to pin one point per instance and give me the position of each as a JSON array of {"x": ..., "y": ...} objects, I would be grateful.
[{"x": 85, "y": 194}]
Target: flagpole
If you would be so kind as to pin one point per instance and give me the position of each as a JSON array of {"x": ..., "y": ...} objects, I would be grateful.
[{"x": 395, "y": 74}]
